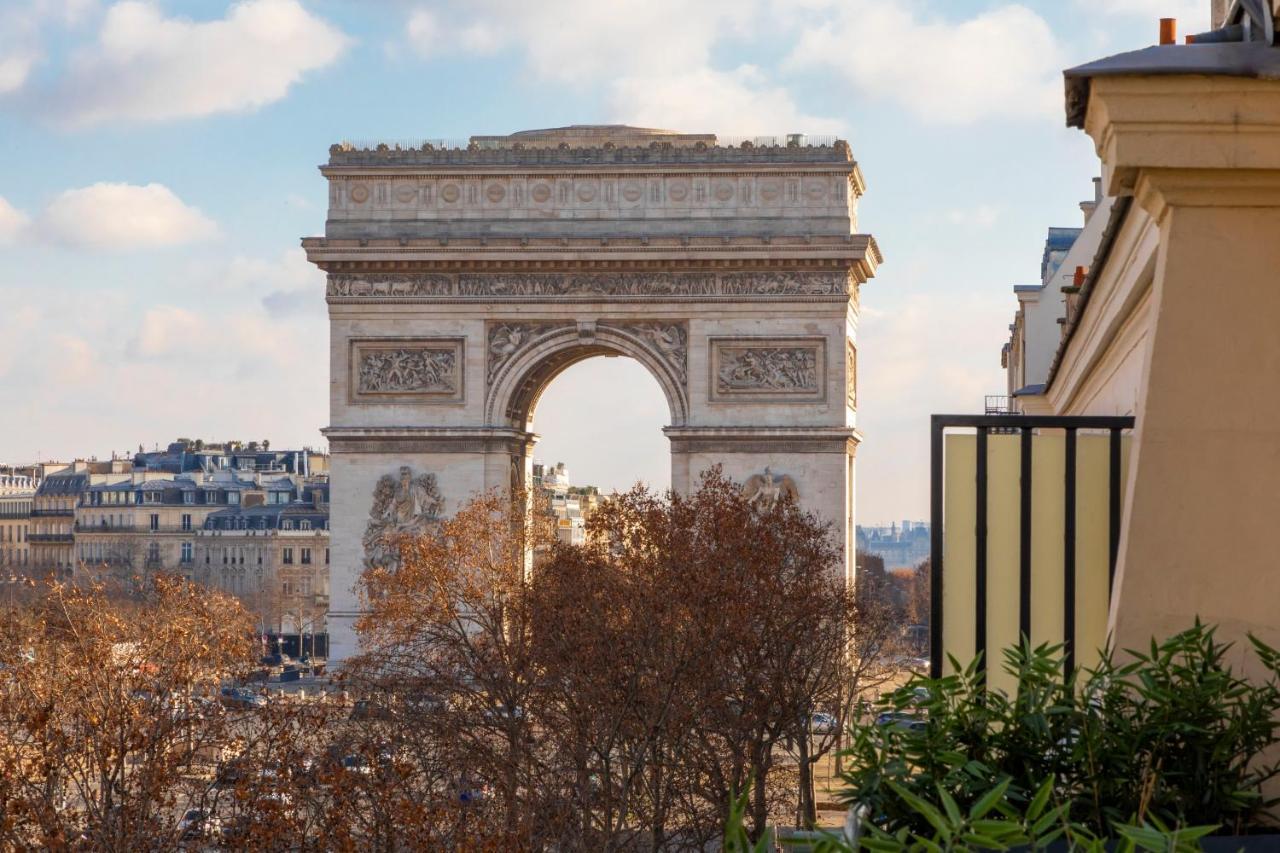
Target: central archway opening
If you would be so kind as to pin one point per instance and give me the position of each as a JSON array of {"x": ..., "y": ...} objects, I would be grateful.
[{"x": 603, "y": 418}]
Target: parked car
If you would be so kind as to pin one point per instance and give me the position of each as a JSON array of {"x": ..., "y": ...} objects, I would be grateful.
[
  {"x": 241, "y": 697},
  {"x": 899, "y": 720},
  {"x": 197, "y": 824},
  {"x": 822, "y": 724}
]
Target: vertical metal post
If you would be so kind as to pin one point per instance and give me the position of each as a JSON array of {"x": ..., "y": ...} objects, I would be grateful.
[
  {"x": 1069, "y": 552},
  {"x": 935, "y": 547},
  {"x": 980, "y": 556},
  {"x": 1024, "y": 537}
]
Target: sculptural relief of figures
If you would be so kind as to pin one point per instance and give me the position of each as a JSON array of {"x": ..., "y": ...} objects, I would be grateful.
[
  {"x": 404, "y": 506},
  {"x": 389, "y": 285},
  {"x": 763, "y": 490},
  {"x": 407, "y": 371},
  {"x": 768, "y": 369},
  {"x": 668, "y": 341},
  {"x": 506, "y": 339}
]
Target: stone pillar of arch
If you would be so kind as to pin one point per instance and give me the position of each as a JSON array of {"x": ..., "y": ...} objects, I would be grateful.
[{"x": 461, "y": 281}]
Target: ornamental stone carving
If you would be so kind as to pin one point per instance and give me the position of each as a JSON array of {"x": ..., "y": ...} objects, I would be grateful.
[
  {"x": 389, "y": 285},
  {"x": 768, "y": 368},
  {"x": 407, "y": 371},
  {"x": 763, "y": 490},
  {"x": 507, "y": 339},
  {"x": 620, "y": 285},
  {"x": 404, "y": 508},
  {"x": 668, "y": 341},
  {"x": 784, "y": 283}
]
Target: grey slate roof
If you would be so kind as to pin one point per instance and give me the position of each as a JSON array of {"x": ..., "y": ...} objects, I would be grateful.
[{"x": 1224, "y": 59}]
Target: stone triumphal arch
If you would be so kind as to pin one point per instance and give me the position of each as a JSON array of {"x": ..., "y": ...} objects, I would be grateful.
[{"x": 461, "y": 280}]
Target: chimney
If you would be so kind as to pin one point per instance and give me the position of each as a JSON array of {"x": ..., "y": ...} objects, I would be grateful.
[{"x": 1168, "y": 31}]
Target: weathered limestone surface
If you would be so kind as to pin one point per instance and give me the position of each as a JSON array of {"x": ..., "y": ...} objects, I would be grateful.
[{"x": 461, "y": 282}]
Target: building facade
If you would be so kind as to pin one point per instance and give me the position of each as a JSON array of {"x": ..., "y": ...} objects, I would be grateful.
[
  {"x": 17, "y": 496},
  {"x": 1171, "y": 329},
  {"x": 53, "y": 512},
  {"x": 273, "y": 557},
  {"x": 569, "y": 506},
  {"x": 462, "y": 280}
]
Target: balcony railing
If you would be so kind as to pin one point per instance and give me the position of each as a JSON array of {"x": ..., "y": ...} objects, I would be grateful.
[
  {"x": 998, "y": 404},
  {"x": 53, "y": 538},
  {"x": 82, "y": 527},
  {"x": 69, "y": 512},
  {"x": 1025, "y": 526}
]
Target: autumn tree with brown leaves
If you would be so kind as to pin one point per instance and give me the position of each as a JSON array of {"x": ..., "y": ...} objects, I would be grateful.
[
  {"x": 617, "y": 694},
  {"x": 101, "y": 724}
]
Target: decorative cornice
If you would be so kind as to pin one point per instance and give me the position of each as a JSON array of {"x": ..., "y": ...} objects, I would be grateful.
[
  {"x": 817, "y": 439},
  {"x": 408, "y": 440},
  {"x": 656, "y": 153},
  {"x": 738, "y": 285}
]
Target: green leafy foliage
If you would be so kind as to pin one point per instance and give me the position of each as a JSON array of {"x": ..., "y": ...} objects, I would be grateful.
[
  {"x": 991, "y": 823},
  {"x": 1170, "y": 738}
]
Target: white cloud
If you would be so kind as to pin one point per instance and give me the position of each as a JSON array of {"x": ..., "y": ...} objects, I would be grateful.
[
  {"x": 12, "y": 222},
  {"x": 981, "y": 216},
  {"x": 122, "y": 216},
  {"x": 580, "y": 41},
  {"x": 73, "y": 360},
  {"x": 287, "y": 286},
  {"x": 165, "y": 331},
  {"x": 196, "y": 361},
  {"x": 1003, "y": 62},
  {"x": 14, "y": 70},
  {"x": 919, "y": 355},
  {"x": 21, "y": 24},
  {"x": 146, "y": 66},
  {"x": 739, "y": 102}
]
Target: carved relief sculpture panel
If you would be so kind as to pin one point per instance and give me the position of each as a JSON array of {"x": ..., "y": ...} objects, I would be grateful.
[
  {"x": 410, "y": 370},
  {"x": 504, "y": 340},
  {"x": 405, "y": 506},
  {"x": 669, "y": 342},
  {"x": 768, "y": 369},
  {"x": 518, "y": 286}
]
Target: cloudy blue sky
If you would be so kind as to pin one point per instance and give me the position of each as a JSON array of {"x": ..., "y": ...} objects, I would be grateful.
[{"x": 158, "y": 167}]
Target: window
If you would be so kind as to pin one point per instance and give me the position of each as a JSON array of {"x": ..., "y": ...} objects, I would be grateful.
[
  {"x": 188, "y": 497},
  {"x": 285, "y": 587},
  {"x": 326, "y": 556},
  {"x": 306, "y": 556},
  {"x": 288, "y": 556},
  {"x": 155, "y": 521},
  {"x": 233, "y": 498},
  {"x": 186, "y": 552},
  {"x": 286, "y": 525},
  {"x": 151, "y": 497},
  {"x": 153, "y": 552},
  {"x": 304, "y": 585},
  {"x": 186, "y": 522},
  {"x": 210, "y": 497},
  {"x": 304, "y": 525}
]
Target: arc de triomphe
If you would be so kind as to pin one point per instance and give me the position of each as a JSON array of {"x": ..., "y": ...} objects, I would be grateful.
[{"x": 462, "y": 281}]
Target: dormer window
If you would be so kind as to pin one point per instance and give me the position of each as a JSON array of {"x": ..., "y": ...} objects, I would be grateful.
[{"x": 304, "y": 525}]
